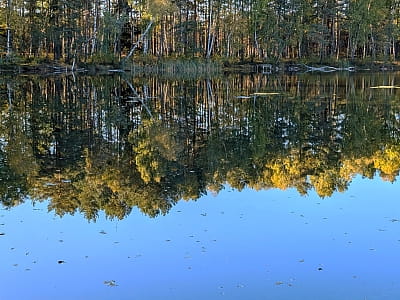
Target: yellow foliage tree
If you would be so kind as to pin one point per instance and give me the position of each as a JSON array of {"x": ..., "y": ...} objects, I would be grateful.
[{"x": 387, "y": 161}]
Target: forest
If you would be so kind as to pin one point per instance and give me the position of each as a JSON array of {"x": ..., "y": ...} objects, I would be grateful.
[{"x": 115, "y": 31}]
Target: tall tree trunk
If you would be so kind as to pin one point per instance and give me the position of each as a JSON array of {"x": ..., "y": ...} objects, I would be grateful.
[
  {"x": 210, "y": 30},
  {"x": 9, "y": 33}
]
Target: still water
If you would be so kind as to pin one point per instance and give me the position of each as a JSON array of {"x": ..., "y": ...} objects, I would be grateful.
[{"x": 234, "y": 187}]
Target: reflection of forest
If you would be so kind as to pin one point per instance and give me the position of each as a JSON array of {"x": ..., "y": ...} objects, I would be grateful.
[{"x": 113, "y": 143}]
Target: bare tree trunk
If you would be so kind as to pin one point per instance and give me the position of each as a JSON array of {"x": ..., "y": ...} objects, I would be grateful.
[
  {"x": 9, "y": 34},
  {"x": 393, "y": 49},
  {"x": 210, "y": 33},
  {"x": 141, "y": 39},
  {"x": 94, "y": 35},
  {"x": 228, "y": 44}
]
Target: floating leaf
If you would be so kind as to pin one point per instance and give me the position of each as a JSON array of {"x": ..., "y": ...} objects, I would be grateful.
[{"x": 110, "y": 283}]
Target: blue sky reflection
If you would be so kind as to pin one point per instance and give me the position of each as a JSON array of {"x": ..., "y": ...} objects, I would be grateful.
[{"x": 249, "y": 245}]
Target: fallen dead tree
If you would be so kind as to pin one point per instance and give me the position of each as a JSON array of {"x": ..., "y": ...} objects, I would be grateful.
[{"x": 327, "y": 69}]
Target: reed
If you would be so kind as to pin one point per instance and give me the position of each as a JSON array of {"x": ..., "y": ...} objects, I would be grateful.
[{"x": 178, "y": 68}]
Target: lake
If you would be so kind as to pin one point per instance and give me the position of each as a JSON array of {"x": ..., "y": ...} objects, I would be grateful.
[{"x": 238, "y": 186}]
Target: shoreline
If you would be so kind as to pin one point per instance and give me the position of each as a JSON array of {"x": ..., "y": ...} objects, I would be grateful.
[{"x": 199, "y": 66}]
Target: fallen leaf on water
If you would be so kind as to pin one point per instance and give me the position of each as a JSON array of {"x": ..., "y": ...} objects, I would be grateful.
[{"x": 110, "y": 283}]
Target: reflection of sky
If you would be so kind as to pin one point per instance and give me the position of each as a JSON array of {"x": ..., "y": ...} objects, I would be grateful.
[{"x": 249, "y": 245}]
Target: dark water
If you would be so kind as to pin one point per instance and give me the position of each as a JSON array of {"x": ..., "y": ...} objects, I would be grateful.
[{"x": 294, "y": 177}]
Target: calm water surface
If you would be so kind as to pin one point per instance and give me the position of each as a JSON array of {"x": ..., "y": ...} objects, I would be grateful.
[{"x": 238, "y": 187}]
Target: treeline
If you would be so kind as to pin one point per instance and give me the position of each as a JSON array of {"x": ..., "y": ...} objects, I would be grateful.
[
  {"x": 108, "y": 30},
  {"x": 112, "y": 143}
]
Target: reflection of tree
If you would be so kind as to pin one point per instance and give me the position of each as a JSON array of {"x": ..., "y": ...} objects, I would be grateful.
[
  {"x": 387, "y": 161},
  {"x": 88, "y": 146},
  {"x": 155, "y": 151},
  {"x": 12, "y": 185}
]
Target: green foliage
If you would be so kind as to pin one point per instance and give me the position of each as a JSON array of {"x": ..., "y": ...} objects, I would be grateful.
[{"x": 159, "y": 8}]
